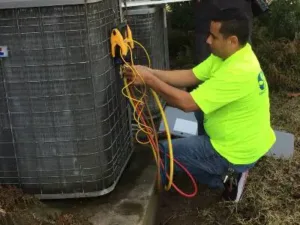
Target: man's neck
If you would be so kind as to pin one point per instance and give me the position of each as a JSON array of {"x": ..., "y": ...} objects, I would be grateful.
[{"x": 238, "y": 48}]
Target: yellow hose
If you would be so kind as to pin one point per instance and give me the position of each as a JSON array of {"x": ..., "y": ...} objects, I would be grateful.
[{"x": 148, "y": 129}]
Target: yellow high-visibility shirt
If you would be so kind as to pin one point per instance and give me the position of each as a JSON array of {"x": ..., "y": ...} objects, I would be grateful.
[{"x": 235, "y": 100}]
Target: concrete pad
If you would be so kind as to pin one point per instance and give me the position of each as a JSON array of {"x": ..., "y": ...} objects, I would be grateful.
[
  {"x": 133, "y": 202},
  {"x": 284, "y": 146}
]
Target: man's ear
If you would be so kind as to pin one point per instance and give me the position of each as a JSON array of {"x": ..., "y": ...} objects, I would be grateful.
[{"x": 233, "y": 40}]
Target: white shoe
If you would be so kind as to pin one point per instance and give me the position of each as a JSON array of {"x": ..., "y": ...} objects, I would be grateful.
[{"x": 234, "y": 188}]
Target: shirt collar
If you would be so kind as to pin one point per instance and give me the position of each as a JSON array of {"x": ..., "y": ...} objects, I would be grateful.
[{"x": 247, "y": 48}]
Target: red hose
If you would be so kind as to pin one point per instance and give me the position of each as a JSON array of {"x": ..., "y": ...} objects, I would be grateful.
[{"x": 176, "y": 162}]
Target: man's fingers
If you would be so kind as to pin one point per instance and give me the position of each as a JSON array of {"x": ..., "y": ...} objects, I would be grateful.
[
  {"x": 135, "y": 76},
  {"x": 129, "y": 74},
  {"x": 127, "y": 70}
]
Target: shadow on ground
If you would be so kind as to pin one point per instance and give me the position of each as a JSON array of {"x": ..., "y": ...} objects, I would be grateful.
[{"x": 178, "y": 210}]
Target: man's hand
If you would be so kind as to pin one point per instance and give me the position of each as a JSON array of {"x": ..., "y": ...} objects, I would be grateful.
[
  {"x": 138, "y": 74},
  {"x": 173, "y": 96}
]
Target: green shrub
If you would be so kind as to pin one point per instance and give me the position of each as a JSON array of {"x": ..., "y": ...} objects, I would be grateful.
[
  {"x": 282, "y": 20},
  {"x": 280, "y": 61}
]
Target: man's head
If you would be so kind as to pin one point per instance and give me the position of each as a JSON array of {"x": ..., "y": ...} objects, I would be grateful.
[{"x": 229, "y": 31}]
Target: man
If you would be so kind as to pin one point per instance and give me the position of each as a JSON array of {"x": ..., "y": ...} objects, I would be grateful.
[{"x": 233, "y": 94}]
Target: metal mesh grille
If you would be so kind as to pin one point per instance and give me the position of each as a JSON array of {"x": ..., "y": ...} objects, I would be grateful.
[
  {"x": 148, "y": 29},
  {"x": 65, "y": 122}
]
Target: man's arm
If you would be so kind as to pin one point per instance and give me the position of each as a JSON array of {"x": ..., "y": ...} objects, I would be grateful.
[
  {"x": 177, "y": 78},
  {"x": 173, "y": 96}
]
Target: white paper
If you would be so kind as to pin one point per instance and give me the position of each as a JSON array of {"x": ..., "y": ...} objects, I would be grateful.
[{"x": 186, "y": 126}]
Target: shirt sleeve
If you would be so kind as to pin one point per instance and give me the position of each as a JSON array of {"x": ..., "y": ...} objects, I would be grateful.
[
  {"x": 218, "y": 92},
  {"x": 203, "y": 70}
]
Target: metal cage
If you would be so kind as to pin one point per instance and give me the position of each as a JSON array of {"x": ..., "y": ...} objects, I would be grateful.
[{"x": 66, "y": 130}]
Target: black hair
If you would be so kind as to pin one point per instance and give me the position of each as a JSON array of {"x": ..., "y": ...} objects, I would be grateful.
[{"x": 233, "y": 22}]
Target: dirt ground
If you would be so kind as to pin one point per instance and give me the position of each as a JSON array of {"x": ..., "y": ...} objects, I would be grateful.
[
  {"x": 14, "y": 210},
  {"x": 272, "y": 196}
]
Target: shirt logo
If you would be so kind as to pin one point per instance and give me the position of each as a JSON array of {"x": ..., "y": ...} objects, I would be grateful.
[{"x": 261, "y": 82}]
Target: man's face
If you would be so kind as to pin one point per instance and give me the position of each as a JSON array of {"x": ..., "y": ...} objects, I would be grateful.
[{"x": 218, "y": 44}]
